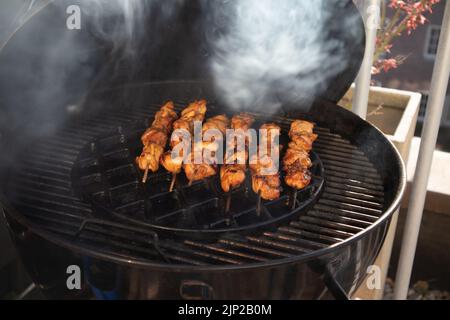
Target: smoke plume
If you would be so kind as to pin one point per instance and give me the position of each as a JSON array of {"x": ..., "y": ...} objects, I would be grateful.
[{"x": 269, "y": 52}]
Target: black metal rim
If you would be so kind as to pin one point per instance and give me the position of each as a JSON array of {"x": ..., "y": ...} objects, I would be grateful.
[{"x": 213, "y": 233}]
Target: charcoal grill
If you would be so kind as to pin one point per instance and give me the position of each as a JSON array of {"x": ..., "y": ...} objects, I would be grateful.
[{"x": 72, "y": 196}]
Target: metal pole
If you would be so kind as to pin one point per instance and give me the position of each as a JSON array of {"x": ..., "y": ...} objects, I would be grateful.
[
  {"x": 371, "y": 14},
  {"x": 430, "y": 132}
]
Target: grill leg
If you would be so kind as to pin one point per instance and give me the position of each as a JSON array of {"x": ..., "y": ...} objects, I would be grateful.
[{"x": 335, "y": 288}]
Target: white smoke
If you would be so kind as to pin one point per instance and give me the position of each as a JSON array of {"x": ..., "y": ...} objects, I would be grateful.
[
  {"x": 261, "y": 53},
  {"x": 273, "y": 51},
  {"x": 123, "y": 22},
  {"x": 48, "y": 70}
]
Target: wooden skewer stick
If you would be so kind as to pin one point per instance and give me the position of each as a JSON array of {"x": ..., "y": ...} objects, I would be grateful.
[
  {"x": 192, "y": 181},
  {"x": 258, "y": 204},
  {"x": 293, "y": 198},
  {"x": 228, "y": 203},
  {"x": 172, "y": 183},
  {"x": 144, "y": 179}
]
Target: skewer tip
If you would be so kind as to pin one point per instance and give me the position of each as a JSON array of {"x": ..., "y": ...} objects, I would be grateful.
[
  {"x": 228, "y": 203},
  {"x": 145, "y": 177},
  {"x": 293, "y": 198},
  {"x": 258, "y": 204},
  {"x": 172, "y": 183}
]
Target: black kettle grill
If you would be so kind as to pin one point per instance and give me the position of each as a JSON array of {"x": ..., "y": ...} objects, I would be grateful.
[{"x": 72, "y": 195}]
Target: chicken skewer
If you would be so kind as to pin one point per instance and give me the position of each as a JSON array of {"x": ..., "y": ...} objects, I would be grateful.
[
  {"x": 199, "y": 171},
  {"x": 296, "y": 160},
  {"x": 232, "y": 172},
  {"x": 264, "y": 166},
  {"x": 174, "y": 163},
  {"x": 155, "y": 139}
]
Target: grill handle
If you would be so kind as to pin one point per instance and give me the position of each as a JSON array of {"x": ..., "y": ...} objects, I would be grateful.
[{"x": 196, "y": 290}]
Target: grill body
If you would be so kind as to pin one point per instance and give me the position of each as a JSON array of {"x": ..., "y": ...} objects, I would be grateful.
[
  {"x": 331, "y": 276},
  {"x": 323, "y": 253}
]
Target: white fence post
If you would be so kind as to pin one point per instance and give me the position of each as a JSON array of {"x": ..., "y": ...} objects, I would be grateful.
[{"x": 371, "y": 14}]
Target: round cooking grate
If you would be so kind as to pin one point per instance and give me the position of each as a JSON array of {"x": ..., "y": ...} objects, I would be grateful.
[{"x": 106, "y": 175}]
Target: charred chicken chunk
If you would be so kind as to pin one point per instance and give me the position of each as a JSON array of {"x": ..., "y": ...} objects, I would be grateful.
[
  {"x": 264, "y": 165},
  {"x": 296, "y": 160},
  {"x": 194, "y": 112},
  {"x": 155, "y": 138},
  {"x": 232, "y": 173},
  {"x": 199, "y": 171}
]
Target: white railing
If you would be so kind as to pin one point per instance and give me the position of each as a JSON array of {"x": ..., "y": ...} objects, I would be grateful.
[
  {"x": 371, "y": 14},
  {"x": 430, "y": 132}
]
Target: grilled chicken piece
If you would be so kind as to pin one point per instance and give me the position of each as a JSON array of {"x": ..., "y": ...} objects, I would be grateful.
[
  {"x": 242, "y": 121},
  {"x": 173, "y": 165},
  {"x": 295, "y": 156},
  {"x": 150, "y": 157},
  {"x": 264, "y": 166},
  {"x": 301, "y": 126},
  {"x": 273, "y": 130},
  {"x": 298, "y": 179},
  {"x": 302, "y": 136},
  {"x": 232, "y": 173},
  {"x": 195, "y": 172},
  {"x": 268, "y": 186},
  {"x": 302, "y": 141},
  {"x": 194, "y": 112},
  {"x": 155, "y": 138},
  {"x": 270, "y": 139},
  {"x": 161, "y": 126},
  {"x": 238, "y": 157},
  {"x": 184, "y": 127},
  {"x": 296, "y": 160},
  {"x": 220, "y": 123},
  {"x": 232, "y": 176}
]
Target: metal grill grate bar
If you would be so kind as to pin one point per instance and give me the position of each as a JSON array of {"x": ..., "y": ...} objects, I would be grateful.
[
  {"x": 322, "y": 227},
  {"x": 346, "y": 222},
  {"x": 345, "y": 229},
  {"x": 316, "y": 236},
  {"x": 225, "y": 251},
  {"x": 253, "y": 248}
]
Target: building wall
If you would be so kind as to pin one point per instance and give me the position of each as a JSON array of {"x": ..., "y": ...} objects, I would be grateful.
[{"x": 416, "y": 72}]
